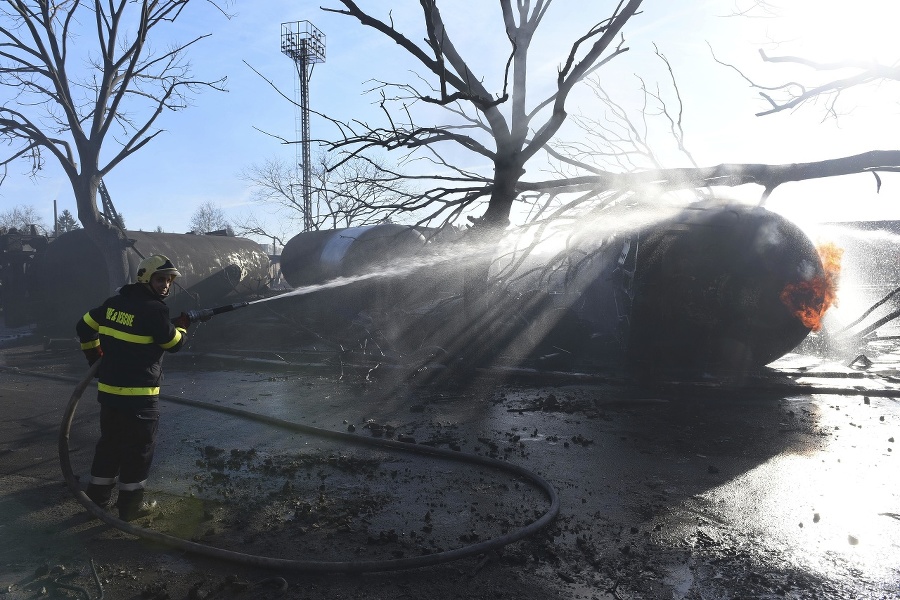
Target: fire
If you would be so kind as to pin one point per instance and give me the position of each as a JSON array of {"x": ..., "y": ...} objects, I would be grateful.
[{"x": 809, "y": 300}]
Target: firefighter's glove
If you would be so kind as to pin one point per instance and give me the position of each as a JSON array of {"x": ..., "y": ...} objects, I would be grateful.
[
  {"x": 93, "y": 355},
  {"x": 182, "y": 321}
]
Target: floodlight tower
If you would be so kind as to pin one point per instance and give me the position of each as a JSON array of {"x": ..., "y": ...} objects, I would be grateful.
[{"x": 306, "y": 46}]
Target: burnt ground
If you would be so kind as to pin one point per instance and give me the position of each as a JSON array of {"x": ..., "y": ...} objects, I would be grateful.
[{"x": 674, "y": 492}]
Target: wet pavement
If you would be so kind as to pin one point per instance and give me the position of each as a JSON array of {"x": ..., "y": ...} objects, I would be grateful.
[{"x": 681, "y": 492}]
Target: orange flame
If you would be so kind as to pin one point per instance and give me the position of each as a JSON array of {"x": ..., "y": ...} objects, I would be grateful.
[{"x": 809, "y": 300}]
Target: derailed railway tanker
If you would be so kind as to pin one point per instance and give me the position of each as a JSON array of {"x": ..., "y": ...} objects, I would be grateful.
[
  {"x": 315, "y": 257},
  {"x": 70, "y": 275},
  {"x": 710, "y": 289},
  {"x": 713, "y": 288}
]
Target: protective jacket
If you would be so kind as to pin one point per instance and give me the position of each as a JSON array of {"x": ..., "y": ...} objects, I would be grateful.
[{"x": 133, "y": 329}]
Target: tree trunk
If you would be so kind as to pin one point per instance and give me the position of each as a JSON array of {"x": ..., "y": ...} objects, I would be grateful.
[
  {"x": 479, "y": 335},
  {"x": 110, "y": 240},
  {"x": 506, "y": 175}
]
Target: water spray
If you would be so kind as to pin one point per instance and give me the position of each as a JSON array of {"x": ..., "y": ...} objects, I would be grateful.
[{"x": 201, "y": 315}]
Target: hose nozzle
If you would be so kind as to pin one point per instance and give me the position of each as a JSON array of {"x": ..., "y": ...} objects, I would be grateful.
[{"x": 202, "y": 315}]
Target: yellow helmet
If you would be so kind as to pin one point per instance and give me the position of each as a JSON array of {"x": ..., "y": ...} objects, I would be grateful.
[{"x": 155, "y": 264}]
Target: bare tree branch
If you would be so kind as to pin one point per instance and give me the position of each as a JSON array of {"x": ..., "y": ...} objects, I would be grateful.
[
  {"x": 726, "y": 174},
  {"x": 789, "y": 95}
]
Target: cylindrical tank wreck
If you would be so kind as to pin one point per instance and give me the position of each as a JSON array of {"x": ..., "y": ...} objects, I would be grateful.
[
  {"x": 71, "y": 276},
  {"x": 728, "y": 295},
  {"x": 709, "y": 289},
  {"x": 315, "y": 257}
]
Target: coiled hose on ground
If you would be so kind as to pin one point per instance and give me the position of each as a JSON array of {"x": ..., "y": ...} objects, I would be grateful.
[{"x": 353, "y": 566}]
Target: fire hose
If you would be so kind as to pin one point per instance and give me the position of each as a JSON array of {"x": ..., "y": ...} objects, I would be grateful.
[{"x": 353, "y": 566}]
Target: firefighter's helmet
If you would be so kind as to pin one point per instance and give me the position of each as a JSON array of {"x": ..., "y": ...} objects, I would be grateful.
[{"x": 155, "y": 264}]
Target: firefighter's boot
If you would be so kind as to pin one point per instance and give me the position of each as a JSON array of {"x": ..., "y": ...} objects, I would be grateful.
[
  {"x": 132, "y": 506},
  {"x": 99, "y": 494}
]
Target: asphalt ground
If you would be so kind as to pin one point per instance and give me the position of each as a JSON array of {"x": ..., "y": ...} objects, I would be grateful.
[{"x": 672, "y": 492}]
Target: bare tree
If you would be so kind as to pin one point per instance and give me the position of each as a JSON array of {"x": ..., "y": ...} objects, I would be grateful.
[
  {"x": 80, "y": 76},
  {"x": 276, "y": 183},
  {"x": 355, "y": 192},
  {"x": 208, "y": 217},
  {"x": 505, "y": 128},
  {"x": 21, "y": 217},
  {"x": 350, "y": 194}
]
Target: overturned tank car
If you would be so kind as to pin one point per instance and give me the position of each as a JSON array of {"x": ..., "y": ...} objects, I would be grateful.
[
  {"x": 713, "y": 288},
  {"x": 710, "y": 289},
  {"x": 70, "y": 275},
  {"x": 385, "y": 251}
]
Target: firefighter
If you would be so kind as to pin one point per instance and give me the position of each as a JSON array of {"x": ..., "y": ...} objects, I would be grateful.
[{"x": 130, "y": 331}]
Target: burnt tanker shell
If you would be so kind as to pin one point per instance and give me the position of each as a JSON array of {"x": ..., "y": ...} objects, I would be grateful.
[
  {"x": 316, "y": 256},
  {"x": 707, "y": 289},
  {"x": 696, "y": 292},
  {"x": 70, "y": 276}
]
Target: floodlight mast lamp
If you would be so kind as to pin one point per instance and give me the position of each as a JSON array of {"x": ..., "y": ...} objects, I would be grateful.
[{"x": 305, "y": 45}]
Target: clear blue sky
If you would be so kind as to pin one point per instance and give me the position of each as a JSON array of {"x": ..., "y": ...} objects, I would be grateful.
[{"x": 205, "y": 148}]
